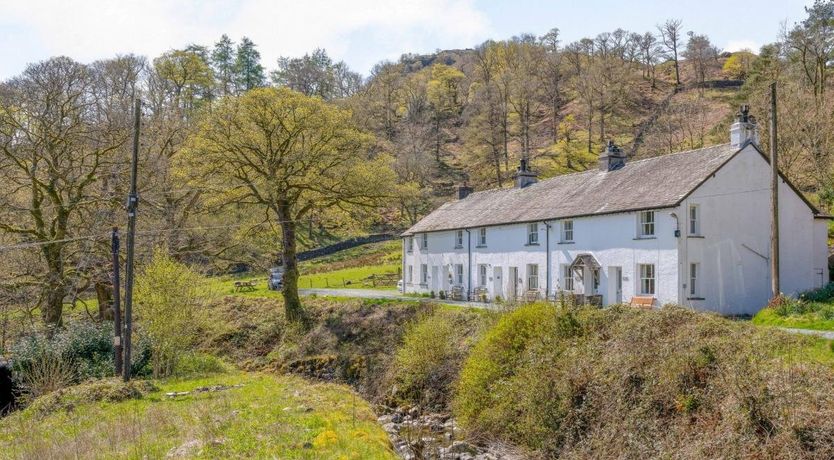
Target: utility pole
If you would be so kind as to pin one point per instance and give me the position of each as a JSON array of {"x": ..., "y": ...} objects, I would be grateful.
[
  {"x": 132, "y": 205},
  {"x": 774, "y": 199},
  {"x": 117, "y": 312}
]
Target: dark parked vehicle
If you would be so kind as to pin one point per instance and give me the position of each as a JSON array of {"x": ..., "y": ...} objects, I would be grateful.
[{"x": 276, "y": 279}]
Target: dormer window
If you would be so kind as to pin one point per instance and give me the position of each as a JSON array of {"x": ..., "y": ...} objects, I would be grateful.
[
  {"x": 645, "y": 227},
  {"x": 458, "y": 239},
  {"x": 532, "y": 234}
]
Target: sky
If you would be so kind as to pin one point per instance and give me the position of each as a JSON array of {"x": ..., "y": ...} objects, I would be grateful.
[{"x": 360, "y": 32}]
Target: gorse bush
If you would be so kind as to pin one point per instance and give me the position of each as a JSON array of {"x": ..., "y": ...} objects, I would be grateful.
[
  {"x": 169, "y": 297},
  {"x": 625, "y": 383}
]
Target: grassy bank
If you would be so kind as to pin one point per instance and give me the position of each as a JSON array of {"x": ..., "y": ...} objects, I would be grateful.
[
  {"x": 817, "y": 316},
  {"x": 252, "y": 416}
]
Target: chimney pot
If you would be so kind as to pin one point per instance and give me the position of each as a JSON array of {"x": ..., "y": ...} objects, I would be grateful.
[
  {"x": 744, "y": 130},
  {"x": 524, "y": 176}
]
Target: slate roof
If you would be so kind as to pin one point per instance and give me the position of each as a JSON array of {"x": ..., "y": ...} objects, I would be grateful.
[{"x": 653, "y": 183}]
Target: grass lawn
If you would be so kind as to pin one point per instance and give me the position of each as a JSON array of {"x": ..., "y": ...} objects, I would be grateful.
[
  {"x": 813, "y": 319},
  {"x": 267, "y": 416}
]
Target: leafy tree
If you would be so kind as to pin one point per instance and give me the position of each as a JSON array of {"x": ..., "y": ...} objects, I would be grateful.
[
  {"x": 289, "y": 154},
  {"x": 317, "y": 75},
  {"x": 189, "y": 74},
  {"x": 223, "y": 63},
  {"x": 248, "y": 68}
]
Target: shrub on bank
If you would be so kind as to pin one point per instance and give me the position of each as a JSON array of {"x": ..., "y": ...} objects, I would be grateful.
[
  {"x": 645, "y": 384},
  {"x": 426, "y": 366}
]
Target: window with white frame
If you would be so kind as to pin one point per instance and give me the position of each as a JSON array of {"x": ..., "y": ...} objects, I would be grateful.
[
  {"x": 532, "y": 277},
  {"x": 409, "y": 244},
  {"x": 482, "y": 275},
  {"x": 647, "y": 279},
  {"x": 533, "y": 234},
  {"x": 567, "y": 278},
  {"x": 645, "y": 227},
  {"x": 694, "y": 273},
  {"x": 459, "y": 274},
  {"x": 567, "y": 231},
  {"x": 410, "y": 277},
  {"x": 424, "y": 243},
  {"x": 482, "y": 236},
  {"x": 694, "y": 220},
  {"x": 424, "y": 274},
  {"x": 459, "y": 239}
]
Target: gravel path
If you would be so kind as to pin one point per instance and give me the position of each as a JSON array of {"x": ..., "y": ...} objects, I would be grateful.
[{"x": 824, "y": 334}]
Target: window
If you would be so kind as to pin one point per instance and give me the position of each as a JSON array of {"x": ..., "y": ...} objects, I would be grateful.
[
  {"x": 694, "y": 221},
  {"x": 532, "y": 277},
  {"x": 424, "y": 274},
  {"x": 567, "y": 231},
  {"x": 424, "y": 243},
  {"x": 646, "y": 227},
  {"x": 459, "y": 239},
  {"x": 409, "y": 244},
  {"x": 533, "y": 234},
  {"x": 646, "y": 279},
  {"x": 595, "y": 285},
  {"x": 694, "y": 272},
  {"x": 567, "y": 278},
  {"x": 482, "y": 236},
  {"x": 482, "y": 275},
  {"x": 459, "y": 274},
  {"x": 410, "y": 276}
]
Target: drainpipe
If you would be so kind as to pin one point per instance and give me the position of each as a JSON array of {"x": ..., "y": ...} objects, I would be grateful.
[
  {"x": 547, "y": 248},
  {"x": 469, "y": 263}
]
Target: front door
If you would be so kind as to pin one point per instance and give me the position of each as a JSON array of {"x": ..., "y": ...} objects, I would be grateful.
[
  {"x": 512, "y": 284},
  {"x": 615, "y": 285},
  {"x": 435, "y": 278},
  {"x": 497, "y": 280}
]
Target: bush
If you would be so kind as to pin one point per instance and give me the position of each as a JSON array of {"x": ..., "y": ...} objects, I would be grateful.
[
  {"x": 168, "y": 295},
  {"x": 625, "y": 383},
  {"x": 426, "y": 366},
  {"x": 79, "y": 352}
]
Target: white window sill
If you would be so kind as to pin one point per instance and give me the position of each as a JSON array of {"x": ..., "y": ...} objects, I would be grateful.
[{"x": 646, "y": 237}]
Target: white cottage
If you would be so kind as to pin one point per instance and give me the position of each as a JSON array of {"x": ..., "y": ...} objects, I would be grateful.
[{"x": 691, "y": 228}]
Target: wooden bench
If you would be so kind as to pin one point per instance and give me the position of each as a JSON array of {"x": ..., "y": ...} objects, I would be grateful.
[
  {"x": 532, "y": 295},
  {"x": 643, "y": 302},
  {"x": 241, "y": 286}
]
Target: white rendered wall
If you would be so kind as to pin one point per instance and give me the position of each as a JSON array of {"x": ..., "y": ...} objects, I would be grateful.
[{"x": 735, "y": 249}]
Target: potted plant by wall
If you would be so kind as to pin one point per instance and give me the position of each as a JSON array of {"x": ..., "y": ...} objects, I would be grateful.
[
  {"x": 431, "y": 294},
  {"x": 442, "y": 295}
]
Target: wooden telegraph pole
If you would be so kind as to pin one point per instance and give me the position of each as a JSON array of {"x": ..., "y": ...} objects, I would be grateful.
[
  {"x": 774, "y": 199},
  {"x": 132, "y": 205},
  {"x": 117, "y": 312}
]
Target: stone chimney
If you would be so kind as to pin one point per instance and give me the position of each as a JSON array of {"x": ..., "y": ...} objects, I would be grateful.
[
  {"x": 524, "y": 176},
  {"x": 464, "y": 191},
  {"x": 744, "y": 130},
  {"x": 612, "y": 158}
]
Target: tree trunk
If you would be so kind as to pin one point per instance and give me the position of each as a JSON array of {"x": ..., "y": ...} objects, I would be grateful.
[
  {"x": 53, "y": 307},
  {"x": 104, "y": 295},
  {"x": 292, "y": 302}
]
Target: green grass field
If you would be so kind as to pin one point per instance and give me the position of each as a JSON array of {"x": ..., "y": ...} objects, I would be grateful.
[
  {"x": 266, "y": 416},
  {"x": 814, "y": 319}
]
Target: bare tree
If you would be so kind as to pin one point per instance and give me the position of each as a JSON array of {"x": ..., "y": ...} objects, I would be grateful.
[{"x": 670, "y": 33}]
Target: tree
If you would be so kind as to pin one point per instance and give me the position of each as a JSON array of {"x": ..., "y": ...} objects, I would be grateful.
[
  {"x": 317, "y": 75},
  {"x": 248, "y": 68},
  {"x": 189, "y": 74},
  {"x": 57, "y": 137},
  {"x": 739, "y": 64},
  {"x": 223, "y": 63},
  {"x": 670, "y": 33},
  {"x": 650, "y": 51},
  {"x": 289, "y": 154},
  {"x": 443, "y": 94},
  {"x": 702, "y": 55}
]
